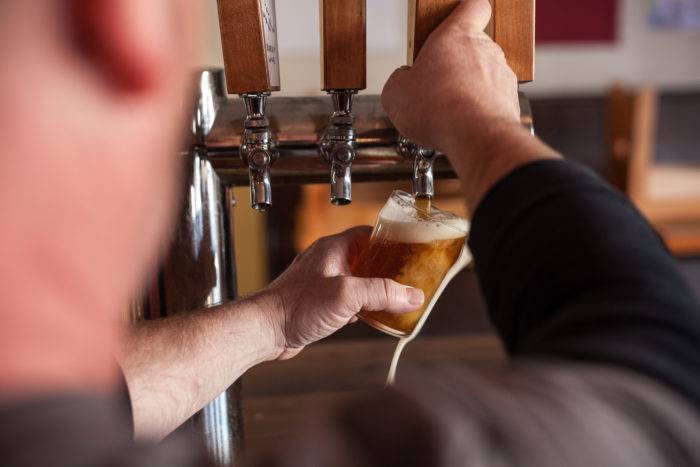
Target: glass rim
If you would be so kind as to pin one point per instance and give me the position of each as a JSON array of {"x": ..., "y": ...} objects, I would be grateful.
[{"x": 409, "y": 200}]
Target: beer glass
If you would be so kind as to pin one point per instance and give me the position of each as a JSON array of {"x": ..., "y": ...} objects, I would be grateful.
[{"x": 415, "y": 247}]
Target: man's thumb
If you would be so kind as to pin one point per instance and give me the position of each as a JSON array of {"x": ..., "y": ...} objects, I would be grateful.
[
  {"x": 385, "y": 295},
  {"x": 471, "y": 16}
]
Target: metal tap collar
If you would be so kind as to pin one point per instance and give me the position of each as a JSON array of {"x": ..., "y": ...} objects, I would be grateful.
[
  {"x": 342, "y": 106},
  {"x": 342, "y": 100},
  {"x": 255, "y": 104}
]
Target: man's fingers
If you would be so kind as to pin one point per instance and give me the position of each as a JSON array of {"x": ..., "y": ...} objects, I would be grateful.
[
  {"x": 355, "y": 237},
  {"x": 393, "y": 86},
  {"x": 334, "y": 254},
  {"x": 472, "y": 16},
  {"x": 350, "y": 244},
  {"x": 375, "y": 294}
]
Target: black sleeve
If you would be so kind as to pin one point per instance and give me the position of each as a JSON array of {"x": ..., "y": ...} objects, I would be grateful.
[{"x": 571, "y": 270}]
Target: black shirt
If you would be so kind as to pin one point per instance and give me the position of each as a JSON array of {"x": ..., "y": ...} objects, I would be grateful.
[{"x": 571, "y": 270}]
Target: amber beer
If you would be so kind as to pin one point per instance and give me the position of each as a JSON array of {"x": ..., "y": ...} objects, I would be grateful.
[{"x": 415, "y": 248}]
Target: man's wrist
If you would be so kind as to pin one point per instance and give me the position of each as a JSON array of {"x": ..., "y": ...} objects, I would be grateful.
[
  {"x": 268, "y": 309},
  {"x": 469, "y": 142},
  {"x": 482, "y": 155}
]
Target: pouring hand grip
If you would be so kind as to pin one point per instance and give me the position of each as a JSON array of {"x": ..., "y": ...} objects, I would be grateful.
[{"x": 512, "y": 27}]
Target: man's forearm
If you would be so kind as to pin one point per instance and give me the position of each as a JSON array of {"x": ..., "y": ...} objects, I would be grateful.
[{"x": 174, "y": 366}]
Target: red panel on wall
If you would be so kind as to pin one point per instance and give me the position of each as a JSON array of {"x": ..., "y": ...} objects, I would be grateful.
[{"x": 576, "y": 20}]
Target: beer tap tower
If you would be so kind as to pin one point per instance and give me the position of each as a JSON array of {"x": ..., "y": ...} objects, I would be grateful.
[
  {"x": 343, "y": 74},
  {"x": 249, "y": 38}
]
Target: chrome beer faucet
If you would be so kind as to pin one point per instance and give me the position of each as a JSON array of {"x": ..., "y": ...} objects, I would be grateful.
[
  {"x": 343, "y": 74},
  {"x": 249, "y": 40},
  {"x": 423, "y": 158},
  {"x": 258, "y": 149},
  {"x": 338, "y": 146}
]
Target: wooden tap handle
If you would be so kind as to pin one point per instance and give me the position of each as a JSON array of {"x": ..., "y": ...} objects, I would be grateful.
[
  {"x": 343, "y": 44},
  {"x": 249, "y": 40},
  {"x": 512, "y": 27}
]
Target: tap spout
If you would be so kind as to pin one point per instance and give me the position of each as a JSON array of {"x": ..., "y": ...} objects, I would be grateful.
[
  {"x": 423, "y": 159},
  {"x": 259, "y": 150}
]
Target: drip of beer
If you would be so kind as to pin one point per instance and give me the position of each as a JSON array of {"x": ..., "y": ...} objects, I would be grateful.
[
  {"x": 423, "y": 204},
  {"x": 391, "y": 378}
]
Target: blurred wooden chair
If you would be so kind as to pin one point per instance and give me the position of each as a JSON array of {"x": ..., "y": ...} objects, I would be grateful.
[{"x": 667, "y": 193}]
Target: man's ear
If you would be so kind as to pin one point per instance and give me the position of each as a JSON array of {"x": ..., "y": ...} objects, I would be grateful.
[{"x": 132, "y": 43}]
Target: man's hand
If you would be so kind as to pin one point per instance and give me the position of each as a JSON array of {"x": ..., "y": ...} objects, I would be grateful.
[
  {"x": 461, "y": 98},
  {"x": 460, "y": 76},
  {"x": 317, "y": 295}
]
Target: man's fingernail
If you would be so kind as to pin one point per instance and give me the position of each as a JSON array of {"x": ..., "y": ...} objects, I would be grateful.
[{"x": 415, "y": 296}]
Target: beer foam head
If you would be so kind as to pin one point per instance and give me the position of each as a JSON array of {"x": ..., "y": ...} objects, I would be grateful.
[{"x": 401, "y": 221}]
